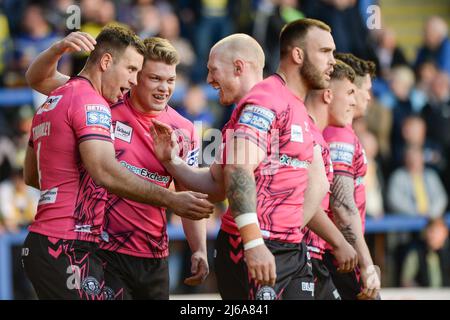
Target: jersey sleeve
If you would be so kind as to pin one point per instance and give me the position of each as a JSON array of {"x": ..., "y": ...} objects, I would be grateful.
[
  {"x": 342, "y": 150},
  {"x": 254, "y": 124},
  {"x": 90, "y": 119}
]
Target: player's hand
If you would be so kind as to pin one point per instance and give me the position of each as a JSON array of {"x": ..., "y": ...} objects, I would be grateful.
[
  {"x": 191, "y": 205},
  {"x": 75, "y": 42},
  {"x": 261, "y": 265},
  {"x": 346, "y": 257},
  {"x": 164, "y": 142},
  {"x": 371, "y": 284},
  {"x": 199, "y": 269}
]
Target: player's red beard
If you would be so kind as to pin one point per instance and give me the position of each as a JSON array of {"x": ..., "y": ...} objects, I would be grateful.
[{"x": 312, "y": 75}]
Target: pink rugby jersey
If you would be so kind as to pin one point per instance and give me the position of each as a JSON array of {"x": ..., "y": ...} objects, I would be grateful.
[
  {"x": 348, "y": 157},
  {"x": 276, "y": 120},
  {"x": 71, "y": 205},
  {"x": 131, "y": 227},
  {"x": 316, "y": 245}
]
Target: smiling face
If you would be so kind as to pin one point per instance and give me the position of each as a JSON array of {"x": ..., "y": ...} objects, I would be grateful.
[
  {"x": 121, "y": 75},
  {"x": 222, "y": 77},
  {"x": 318, "y": 58},
  {"x": 156, "y": 83},
  {"x": 342, "y": 107}
]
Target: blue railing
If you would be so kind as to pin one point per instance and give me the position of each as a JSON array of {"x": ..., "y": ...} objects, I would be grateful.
[{"x": 15, "y": 97}]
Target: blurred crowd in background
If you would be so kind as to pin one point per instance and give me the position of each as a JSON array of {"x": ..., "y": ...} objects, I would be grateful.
[{"x": 406, "y": 134}]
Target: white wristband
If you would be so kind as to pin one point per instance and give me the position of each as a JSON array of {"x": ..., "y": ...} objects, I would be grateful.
[
  {"x": 246, "y": 219},
  {"x": 253, "y": 243}
]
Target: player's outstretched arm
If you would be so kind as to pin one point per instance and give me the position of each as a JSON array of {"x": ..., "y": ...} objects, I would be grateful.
[
  {"x": 99, "y": 159},
  {"x": 241, "y": 193},
  {"x": 348, "y": 220},
  {"x": 42, "y": 75},
  {"x": 317, "y": 188},
  {"x": 205, "y": 180},
  {"x": 342, "y": 250}
]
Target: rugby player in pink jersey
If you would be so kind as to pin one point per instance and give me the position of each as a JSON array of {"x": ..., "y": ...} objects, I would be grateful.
[
  {"x": 235, "y": 65},
  {"x": 348, "y": 194},
  {"x": 71, "y": 159},
  {"x": 321, "y": 105}
]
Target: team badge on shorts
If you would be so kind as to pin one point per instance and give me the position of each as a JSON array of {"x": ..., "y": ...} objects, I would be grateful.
[
  {"x": 108, "y": 293},
  {"x": 91, "y": 286},
  {"x": 266, "y": 293}
]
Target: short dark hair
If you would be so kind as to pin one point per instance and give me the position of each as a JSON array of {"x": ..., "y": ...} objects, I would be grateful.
[
  {"x": 341, "y": 71},
  {"x": 360, "y": 66},
  {"x": 115, "y": 39},
  {"x": 293, "y": 34}
]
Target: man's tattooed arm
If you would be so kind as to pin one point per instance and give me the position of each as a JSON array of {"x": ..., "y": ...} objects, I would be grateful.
[
  {"x": 241, "y": 189},
  {"x": 342, "y": 195},
  {"x": 343, "y": 204},
  {"x": 346, "y": 216}
]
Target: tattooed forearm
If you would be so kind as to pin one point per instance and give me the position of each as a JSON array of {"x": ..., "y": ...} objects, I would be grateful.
[
  {"x": 241, "y": 190},
  {"x": 348, "y": 234},
  {"x": 342, "y": 195}
]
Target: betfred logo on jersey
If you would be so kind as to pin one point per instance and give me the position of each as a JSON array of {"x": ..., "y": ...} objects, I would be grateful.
[
  {"x": 257, "y": 117},
  {"x": 49, "y": 104},
  {"x": 98, "y": 115},
  {"x": 342, "y": 152}
]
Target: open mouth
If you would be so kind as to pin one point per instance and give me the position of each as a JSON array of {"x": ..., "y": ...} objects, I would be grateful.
[
  {"x": 160, "y": 97},
  {"x": 123, "y": 91}
]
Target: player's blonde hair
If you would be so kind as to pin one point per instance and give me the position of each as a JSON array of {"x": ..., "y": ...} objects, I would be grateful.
[{"x": 159, "y": 49}]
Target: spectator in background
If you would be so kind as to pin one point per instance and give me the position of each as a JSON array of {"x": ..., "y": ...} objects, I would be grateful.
[
  {"x": 95, "y": 15},
  {"x": 415, "y": 190},
  {"x": 373, "y": 179},
  {"x": 350, "y": 32},
  {"x": 437, "y": 116},
  {"x": 18, "y": 202},
  {"x": 147, "y": 20},
  {"x": 436, "y": 44},
  {"x": 4, "y": 43},
  {"x": 57, "y": 16},
  {"x": 285, "y": 11},
  {"x": 213, "y": 22},
  {"x": 401, "y": 83},
  {"x": 195, "y": 107},
  {"x": 425, "y": 74},
  {"x": 7, "y": 156},
  {"x": 37, "y": 35},
  {"x": 170, "y": 30},
  {"x": 414, "y": 131},
  {"x": 23, "y": 127},
  {"x": 388, "y": 53},
  {"x": 379, "y": 122},
  {"x": 427, "y": 263}
]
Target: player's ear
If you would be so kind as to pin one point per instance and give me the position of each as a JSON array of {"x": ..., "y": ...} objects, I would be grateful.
[
  {"x": 327, "y": 96},
  {"x": 238, "y": 67},
  {"x": 106, "y": 61},
  {"x": 298, "y": 55}
]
